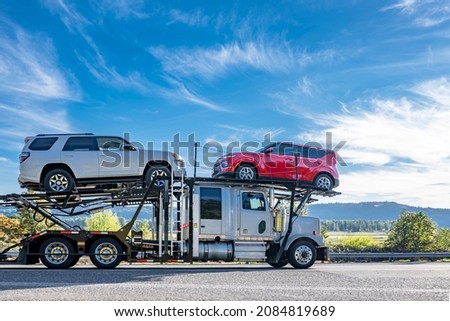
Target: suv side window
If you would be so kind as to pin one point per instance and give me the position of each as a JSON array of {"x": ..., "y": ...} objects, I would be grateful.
[
  {"x": 43, "y": 143},
  {"x": 80, "y": 144},
  {"x": 110, "y": 143},
  {"x": 286, "y": 149},
  {"x": 310, "y": 152}
]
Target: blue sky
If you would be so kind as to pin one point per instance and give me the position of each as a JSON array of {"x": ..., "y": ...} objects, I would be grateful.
[{"x": 375, "y": 74}]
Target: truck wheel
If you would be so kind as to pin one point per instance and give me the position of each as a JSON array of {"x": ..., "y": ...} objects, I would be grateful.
[
  {"x": 57, "y": 253},
  {"x": 246, "y": 172},
  {"x": 155, "y": 171},
  {"x": 302, "y": 254},
  {"x": 58, "y": 181},
  {"x": 278, "y": 265},
  {"x": 106, "y": 253}
]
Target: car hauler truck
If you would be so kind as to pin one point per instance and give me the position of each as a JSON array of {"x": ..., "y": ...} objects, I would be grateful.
[{"x": 194, "y": 219}]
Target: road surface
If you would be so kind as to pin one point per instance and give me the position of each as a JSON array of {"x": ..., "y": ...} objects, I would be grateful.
[{"x": 223, "y": 282}]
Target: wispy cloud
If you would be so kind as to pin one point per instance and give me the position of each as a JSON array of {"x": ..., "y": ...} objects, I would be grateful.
[
  {"x": 214, "y": 62},
  {"x": 423, "y": 13},
  {"x": 181, "y": 92},
  {"x": 385, "y": 133},
  {"x": 19, "y": 121},
  {"x": 237, "y": 135},
  {"x": 92, "y": 58},
  {"x": 123, "y": 9},
  {"x": 29, "y": 65},
  {"x": 195, "y": 18}
]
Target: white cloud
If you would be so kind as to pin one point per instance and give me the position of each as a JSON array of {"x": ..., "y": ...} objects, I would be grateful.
[
  {"x": 194, "y": 18},
  {"x": 29, "y": 66},
  {"x": 180, "y": 92},
  {"x": 214, "y": 62},
  {"x": 123, "y": 8},
  {"x": 19, "y": 121},
  {"x": 424, "y": 13},
  {"x": 396, "y": 149},
  {"x": 93, "y": 59}
]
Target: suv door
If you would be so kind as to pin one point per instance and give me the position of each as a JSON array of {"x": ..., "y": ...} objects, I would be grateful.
[
  {"x": 117, "y": 157},
  {"x": 283, "y": 161},
  {"x": 81, "y": 155}
]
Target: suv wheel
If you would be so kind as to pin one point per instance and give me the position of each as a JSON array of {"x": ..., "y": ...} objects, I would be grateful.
[
  {"x": 155, "y": 171},
  {"x": 323, "y": 181},
  {"x": 58, "y": 181},
  {"x": 246, "y": 172}
]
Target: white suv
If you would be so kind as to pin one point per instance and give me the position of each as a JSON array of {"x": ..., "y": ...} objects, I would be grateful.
[{"x": 60, "y": 162}]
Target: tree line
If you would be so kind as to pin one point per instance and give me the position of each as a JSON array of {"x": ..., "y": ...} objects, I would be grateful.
[{"x": 357, "y": 225}]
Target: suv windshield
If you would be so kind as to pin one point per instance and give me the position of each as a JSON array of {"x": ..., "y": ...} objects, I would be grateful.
[{"x": 261, "y": 150}]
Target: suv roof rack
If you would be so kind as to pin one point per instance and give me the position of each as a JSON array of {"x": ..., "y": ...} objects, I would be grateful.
[{"x": 65, "y": 134}]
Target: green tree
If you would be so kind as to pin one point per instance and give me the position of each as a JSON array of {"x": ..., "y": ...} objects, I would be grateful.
[
  {"x": 103, "y": 221},
  {"x": 442, "y": 240},
  {"x": 31, "y": 222},
  {"x": 412, "y": 232},
  {"x": 324, "y": 231},
  {"x": 144, "y": 227},
  {"x": 9, "y": 230}
]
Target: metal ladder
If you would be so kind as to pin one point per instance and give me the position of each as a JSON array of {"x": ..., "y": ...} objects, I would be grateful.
[{"x": 175, "y": 219}]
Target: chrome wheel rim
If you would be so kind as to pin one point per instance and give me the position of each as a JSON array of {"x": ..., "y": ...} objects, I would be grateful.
[
  {"x": 56, "y": 253},
  {"x": 246, "y": 173},
  {"x": 59, "y": 183},
  {"x": 106, "y": 253},
  {"x": 159, "y": 173},
  {"x": 324, "y": 182},
  {"x": 303, "y": 254}
]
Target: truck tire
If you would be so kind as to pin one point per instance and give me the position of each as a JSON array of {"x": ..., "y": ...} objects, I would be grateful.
[
  {"x": 58, "y": 181},
  {"x": 57, "y": 253},
  {"x": 154, "y": 171},
  {"x": 106, "y": 253},
  {"x": 302, "y": 254}
]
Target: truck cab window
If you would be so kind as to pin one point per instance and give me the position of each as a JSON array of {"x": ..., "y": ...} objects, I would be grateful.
[
  {"x": 211, "y": 203},
  {"x": 253, "y": 201}
]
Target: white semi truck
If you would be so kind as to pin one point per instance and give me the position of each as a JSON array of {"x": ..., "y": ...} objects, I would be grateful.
[{"x": 193, "y": 219}]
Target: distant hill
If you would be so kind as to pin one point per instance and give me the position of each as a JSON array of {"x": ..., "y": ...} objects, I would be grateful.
[{"x": 375, "y": 211}]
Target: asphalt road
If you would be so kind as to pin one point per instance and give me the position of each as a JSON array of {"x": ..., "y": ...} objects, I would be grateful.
[{"x": 224, "y": 282}]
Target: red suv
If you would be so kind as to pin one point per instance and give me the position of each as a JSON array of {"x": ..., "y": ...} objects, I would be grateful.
[{"x": 282, "y": 161}]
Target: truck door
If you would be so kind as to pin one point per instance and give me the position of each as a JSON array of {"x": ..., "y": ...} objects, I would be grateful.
[
  {"x": 255, "y": 216},
  {"x": 210, "y": 210}
]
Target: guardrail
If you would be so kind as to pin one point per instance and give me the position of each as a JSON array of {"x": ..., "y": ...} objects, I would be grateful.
[{"x": 391, "y": 255}]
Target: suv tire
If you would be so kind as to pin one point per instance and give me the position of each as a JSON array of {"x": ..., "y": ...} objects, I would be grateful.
[
  {"x": 158, "y": 170},
  {"x": 246, "y": 172},
  {"x": 58, "y": 181}
]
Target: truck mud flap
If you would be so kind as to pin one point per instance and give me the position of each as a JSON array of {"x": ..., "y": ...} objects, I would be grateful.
[{"x": 322, "y": 254}]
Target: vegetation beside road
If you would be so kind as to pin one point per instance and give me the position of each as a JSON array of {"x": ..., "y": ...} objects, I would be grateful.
[{"x": 411, "y": 232}]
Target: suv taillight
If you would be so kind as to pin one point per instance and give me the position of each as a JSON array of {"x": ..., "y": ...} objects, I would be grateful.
[{"x": 23, "y": 157}]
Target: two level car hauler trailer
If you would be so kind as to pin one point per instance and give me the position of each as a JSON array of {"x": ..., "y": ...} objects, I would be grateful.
[{"x": 194, "y": 219}]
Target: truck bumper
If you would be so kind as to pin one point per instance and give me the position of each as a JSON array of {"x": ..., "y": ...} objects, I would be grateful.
[{"x": 322, "y": 253}]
